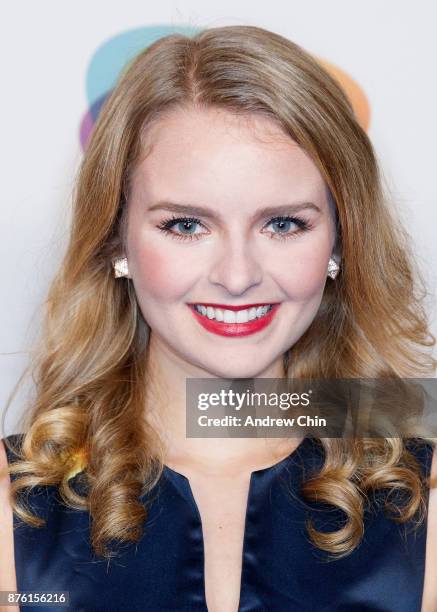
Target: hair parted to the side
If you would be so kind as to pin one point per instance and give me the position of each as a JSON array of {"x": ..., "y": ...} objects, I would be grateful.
[{"x": 90, "y": 366}]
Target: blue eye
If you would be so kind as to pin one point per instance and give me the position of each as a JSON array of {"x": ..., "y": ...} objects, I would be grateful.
[
  {"x": 283, "y": 224},
  {"x": 188, "y": 224}
]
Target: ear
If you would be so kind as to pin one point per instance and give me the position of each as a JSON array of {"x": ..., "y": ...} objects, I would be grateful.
[{"x": 336, "y": 251}]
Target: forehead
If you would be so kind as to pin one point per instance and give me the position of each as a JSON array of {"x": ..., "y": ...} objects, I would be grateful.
[{"x": 216, "y": 155}]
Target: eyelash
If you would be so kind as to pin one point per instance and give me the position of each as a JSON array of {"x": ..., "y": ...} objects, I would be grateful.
[{"x": 166, "y": 225}]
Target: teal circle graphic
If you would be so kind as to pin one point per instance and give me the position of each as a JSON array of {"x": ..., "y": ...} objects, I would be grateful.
[{"x": 110, "y": 59}]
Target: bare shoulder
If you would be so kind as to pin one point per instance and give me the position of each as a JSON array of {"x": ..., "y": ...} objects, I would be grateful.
[
  {"x": 429, "y": 601},
  {"x": 7, "y": 561}
]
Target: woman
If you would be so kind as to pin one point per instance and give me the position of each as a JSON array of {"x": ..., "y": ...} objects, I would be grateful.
[{"x": 225, "y": 172}]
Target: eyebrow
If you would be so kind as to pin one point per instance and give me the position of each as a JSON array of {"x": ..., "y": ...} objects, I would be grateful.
[{"x": 202, "y": 211}]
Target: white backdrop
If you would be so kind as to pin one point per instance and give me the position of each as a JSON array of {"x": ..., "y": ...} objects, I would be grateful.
[{"x": 388, "y": 47}]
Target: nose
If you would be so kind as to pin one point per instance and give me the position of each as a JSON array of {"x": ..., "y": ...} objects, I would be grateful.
[{"x": 237, "y": 267}]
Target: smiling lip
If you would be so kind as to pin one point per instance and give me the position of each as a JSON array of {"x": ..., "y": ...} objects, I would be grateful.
[{"x": 235, "y": 329}]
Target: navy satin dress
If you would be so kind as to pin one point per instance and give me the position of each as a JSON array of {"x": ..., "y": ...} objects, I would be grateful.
[{"x": 281, "y": 570}]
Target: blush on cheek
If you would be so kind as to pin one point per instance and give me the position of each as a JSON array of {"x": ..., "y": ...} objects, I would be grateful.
[
  {"x": 160, "y": 276},
  {"x": 305, "y": 281}
]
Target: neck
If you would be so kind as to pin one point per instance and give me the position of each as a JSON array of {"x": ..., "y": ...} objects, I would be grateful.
[{"x": 166, "y": 413}]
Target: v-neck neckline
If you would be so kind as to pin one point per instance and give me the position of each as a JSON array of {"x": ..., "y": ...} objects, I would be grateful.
[
  {"x": 255, "y": 475},
  {"x": 273, "y": 467}
]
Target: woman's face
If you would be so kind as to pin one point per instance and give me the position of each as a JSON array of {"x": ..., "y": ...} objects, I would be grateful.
[{"x": 228, "y": 250}]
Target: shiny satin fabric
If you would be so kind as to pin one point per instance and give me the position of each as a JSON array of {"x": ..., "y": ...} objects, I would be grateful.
[{"x": 281, "y": 570}]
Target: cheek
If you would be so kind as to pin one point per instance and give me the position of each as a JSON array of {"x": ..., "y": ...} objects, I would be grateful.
[
  {"x": 308, "y": 280},
  {"x": 303, "y": 277},
  {"x": 157, "y": 273}
]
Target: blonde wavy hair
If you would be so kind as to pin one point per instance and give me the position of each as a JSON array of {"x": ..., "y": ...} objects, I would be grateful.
[{"x": 90, "y": 363}]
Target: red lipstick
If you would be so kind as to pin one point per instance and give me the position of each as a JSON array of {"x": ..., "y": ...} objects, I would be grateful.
[{"x": 234, "y": 329}]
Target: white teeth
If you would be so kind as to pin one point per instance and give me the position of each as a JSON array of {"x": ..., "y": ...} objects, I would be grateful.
[
  {"x": 252, "y": 314},
  {"x": 218, "y": 314},
  {"x": 242, "y": 316},
  {"x": 229, "y": 316},
  {"x": 233, "y": 316}
]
